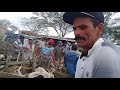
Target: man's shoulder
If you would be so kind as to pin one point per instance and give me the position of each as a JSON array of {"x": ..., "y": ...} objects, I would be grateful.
[
  {"x": 107, "y": 54},
  {"x": 109, "y": 48},
  {"x": 108, "y": 51},
  {"x": 106, "y": 48},
  {"x": 17, "y": 41}
]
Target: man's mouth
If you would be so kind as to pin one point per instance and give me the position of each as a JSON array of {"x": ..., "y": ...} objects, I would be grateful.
[{"x": 80, "y": 39}]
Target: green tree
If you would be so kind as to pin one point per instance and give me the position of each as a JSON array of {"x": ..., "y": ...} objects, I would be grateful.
[
  {"x": 111, "y": 30},
  {"x": 34, "y": 24},
  {"x": 54, "y": 20}
]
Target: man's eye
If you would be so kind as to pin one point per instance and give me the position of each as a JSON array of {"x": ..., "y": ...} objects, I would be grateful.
[{"x": 82, "y": 27}]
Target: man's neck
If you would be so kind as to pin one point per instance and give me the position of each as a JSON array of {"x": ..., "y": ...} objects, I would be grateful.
[{"x": 85, "y": 50}]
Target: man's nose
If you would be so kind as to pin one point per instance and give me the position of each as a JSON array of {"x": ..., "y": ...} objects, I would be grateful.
[{"x": 78, "y": 31}]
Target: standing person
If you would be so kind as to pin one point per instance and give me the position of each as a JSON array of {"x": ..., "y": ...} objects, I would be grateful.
[
  {"x": 99, "y": 59},
  {"x": 48, "y": 53},
  {"x": 58, "y": 51},
  {"x": 70, "y": 60},
  {"x": 18, "y": 44},
  {"x": 40, "y": 44},
  {"x": 50, "y": 48},
  {"x": 29, "y": 49}
]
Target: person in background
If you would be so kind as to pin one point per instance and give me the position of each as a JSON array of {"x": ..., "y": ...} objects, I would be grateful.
[
  {"x": 50, "y": 45},
  {"x": 18, "y": 44},
  {"x": 29, "y": 49},
  {"x": 38, "y": 47},
  {"x": 42, "y": 42},
  {"x": 70, "y": 60},
  {"x": 58, "y": 51},
  {"x": 48, "y": 53}
]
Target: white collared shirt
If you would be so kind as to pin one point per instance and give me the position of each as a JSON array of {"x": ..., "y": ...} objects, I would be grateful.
[
  {"x": 29, "y": 54},
  {"x": 83, "y": 62},
  {"x": 102, "y": 61}
]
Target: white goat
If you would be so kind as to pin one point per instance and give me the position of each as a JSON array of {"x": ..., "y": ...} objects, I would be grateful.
[
  {"x": 2, "y": 57},
  {"x": 39, "y": 71}
]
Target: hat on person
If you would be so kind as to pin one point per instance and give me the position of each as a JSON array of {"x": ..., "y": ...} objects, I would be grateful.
[
  {"x": 30, "y": 38},
  {"x": 69, "y": 17},
  {"x": 51, "y": 42}
]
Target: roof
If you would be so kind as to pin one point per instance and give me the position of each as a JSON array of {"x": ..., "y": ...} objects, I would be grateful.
[{"x": 59, "y": 38}]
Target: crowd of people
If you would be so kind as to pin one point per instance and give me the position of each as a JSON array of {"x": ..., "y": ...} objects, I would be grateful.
[{"x": 60, "y": 52}]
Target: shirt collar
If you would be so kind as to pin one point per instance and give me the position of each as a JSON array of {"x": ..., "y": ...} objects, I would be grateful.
[{"x": 100, "y": 40}]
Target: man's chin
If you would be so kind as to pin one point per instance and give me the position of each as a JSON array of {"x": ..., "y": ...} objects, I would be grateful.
[{"x": 80, "y": 45}]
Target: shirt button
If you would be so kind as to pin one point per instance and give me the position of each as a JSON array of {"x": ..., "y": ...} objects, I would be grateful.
[{"x": 81, "y": 67}]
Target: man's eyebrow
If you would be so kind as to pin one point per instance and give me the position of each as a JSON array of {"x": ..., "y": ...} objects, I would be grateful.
[{"x": 83, "y": 25}]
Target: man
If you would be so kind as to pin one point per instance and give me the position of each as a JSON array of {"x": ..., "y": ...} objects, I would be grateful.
[
  {"x": 48, "y": 53},
  {"x": 18, "y": 44},
  {"x": 99, "y": 59},
  {"x": 29, "y": 49},
  {"x": 58, "y": 53},
  {"x": 40, "y": 44},
  {"x": 70, "y": 60}
]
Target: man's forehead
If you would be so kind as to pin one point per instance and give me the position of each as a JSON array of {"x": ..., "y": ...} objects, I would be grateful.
[{"x": 82, "y": 21}]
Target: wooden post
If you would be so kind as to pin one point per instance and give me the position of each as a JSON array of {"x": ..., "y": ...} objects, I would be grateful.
[
  {"x": 6, "y": 49},
  {"x": 23, "y": 62},
  {"x": 7, "y": 64},
  {"x": 18, "y": 56},
  {"x": 33, "y": 61}
]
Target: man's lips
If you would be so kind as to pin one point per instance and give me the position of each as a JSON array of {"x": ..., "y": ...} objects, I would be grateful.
[{"x": 80, "y": 41}]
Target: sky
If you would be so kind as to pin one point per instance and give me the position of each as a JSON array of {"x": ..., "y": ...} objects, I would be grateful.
[{"x": 15, "y": 18}]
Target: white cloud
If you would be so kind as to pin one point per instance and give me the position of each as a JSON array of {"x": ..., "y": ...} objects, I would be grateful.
[
  {"x": 15, "y": 17},
  {"x": 15, "y": 14},
  {"x": 117, "y": 15},
  {"x": 70, "y": 35}
]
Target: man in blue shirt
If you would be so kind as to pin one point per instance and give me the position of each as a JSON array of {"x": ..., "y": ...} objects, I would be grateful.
[{"x": 70, "y": 60}]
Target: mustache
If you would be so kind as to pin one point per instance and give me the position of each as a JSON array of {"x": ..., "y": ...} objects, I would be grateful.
[{"x": 80, "y": 38}]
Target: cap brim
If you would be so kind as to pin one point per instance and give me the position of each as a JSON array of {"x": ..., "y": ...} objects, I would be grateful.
[{"x": 69, "y": 17}]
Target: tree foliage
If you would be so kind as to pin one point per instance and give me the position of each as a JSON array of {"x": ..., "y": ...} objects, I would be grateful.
[
  {"x": 34, "y": 24},
  {"x": 43, "y": 20},
  {"x": 55, "y": 20},
  {"x": 6, "y": 25},
  {"x": 111, "y": 32}
]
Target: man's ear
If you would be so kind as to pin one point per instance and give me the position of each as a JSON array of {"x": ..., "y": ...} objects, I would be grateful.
[{"x": 100, "y": 29}]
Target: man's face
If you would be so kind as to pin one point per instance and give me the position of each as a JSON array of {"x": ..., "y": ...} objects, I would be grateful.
[
  {"x": 30, "y": 41},
  {"x": 85, "y": 33},
  {"x": 60, "y": 44},
  {"x": 21, "y": 39}
]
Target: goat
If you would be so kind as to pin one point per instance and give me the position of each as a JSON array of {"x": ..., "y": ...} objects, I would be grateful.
[
  {"x": 38, "y": 72},
  {"x": 2, "y": 57}
]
